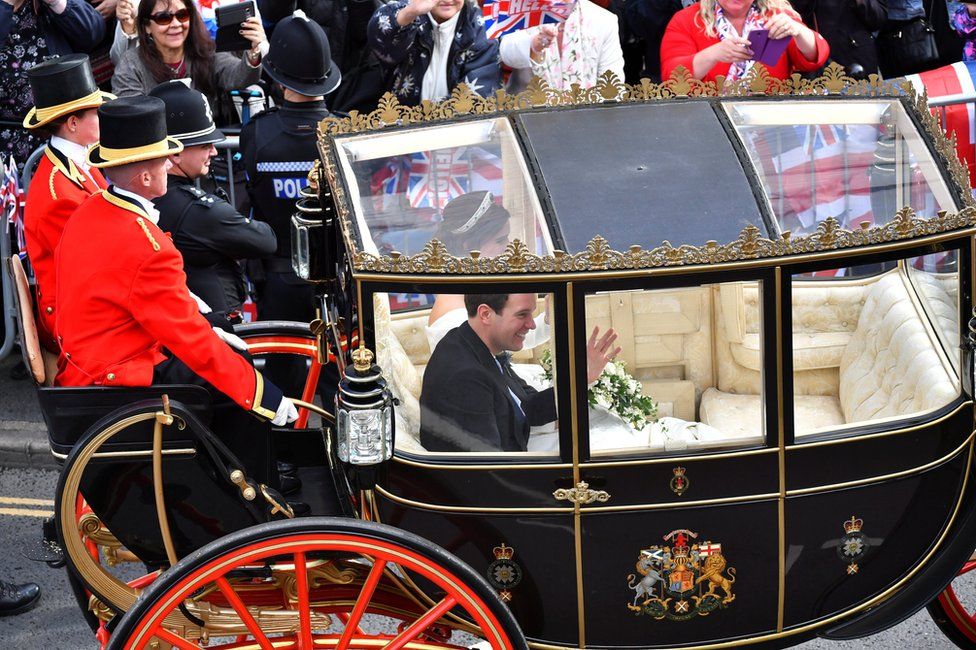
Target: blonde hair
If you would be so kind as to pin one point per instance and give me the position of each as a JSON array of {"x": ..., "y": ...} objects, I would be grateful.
[{"x": 706, "y": 11}]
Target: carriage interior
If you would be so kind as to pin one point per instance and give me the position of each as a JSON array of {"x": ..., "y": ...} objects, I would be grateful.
[
  {"x": 868, "y": 343},
  {"x": 882, "y": 346}
]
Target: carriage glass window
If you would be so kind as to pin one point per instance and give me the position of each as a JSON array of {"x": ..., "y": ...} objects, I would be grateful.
[
  {"x": 474, "y": 375},
  {"x": 467, "y": 185},
  {"x": 856, "y": 161},
  {"x": 935, "y": 278},
  {"x": 689, "y": 373},
  {"x": 874, "y": 347}
]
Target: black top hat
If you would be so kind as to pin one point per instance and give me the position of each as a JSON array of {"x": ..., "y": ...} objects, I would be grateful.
[
  {"x": 300, "y": 58},
  {"x": 61, "y": 86},
  {"x": 188, "y": 115},
  {"x": 133, "y": 129}
]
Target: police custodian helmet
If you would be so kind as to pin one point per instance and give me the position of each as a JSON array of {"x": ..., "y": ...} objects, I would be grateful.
[
  {"x": 300, "y": 58},
  {"x": 189, "y": 118}
]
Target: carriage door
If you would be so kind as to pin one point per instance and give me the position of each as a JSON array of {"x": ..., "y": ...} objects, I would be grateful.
[{"x": 680, "y": 542}]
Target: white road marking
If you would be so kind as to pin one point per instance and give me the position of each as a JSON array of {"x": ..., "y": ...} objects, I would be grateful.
[{"x": 18, "y": 501}]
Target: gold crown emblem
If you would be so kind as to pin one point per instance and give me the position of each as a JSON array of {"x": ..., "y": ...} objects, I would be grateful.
[
  {"x": 503, "y": 552},
  {"x": 853, "y": 525},
  {"x": 362, "y": 359},
  {"x": 678, "y": 471}
]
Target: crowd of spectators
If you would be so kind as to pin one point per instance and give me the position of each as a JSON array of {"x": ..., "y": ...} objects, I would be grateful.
[{"x": 420, "y": 49}]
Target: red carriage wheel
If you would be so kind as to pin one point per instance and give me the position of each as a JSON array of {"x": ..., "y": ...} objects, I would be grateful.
[
  {"x": 228, "y": 594},
  {"x": 955, "y": 616}
]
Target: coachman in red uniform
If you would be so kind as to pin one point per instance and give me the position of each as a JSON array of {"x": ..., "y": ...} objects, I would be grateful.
[
  {"x": 125, "y": 316},
  {"x": 66, "y": 100}
]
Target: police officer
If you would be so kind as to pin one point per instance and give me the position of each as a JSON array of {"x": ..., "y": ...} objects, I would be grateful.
[
  {"x": 211, "y": 235},
  {"x": 278, "y": 148}
]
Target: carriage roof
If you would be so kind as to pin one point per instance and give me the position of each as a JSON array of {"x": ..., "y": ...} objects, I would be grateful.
[{"x": 639, "y": 177}]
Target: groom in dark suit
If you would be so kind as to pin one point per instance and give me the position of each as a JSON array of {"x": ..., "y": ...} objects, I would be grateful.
[{"x": 471, "y": 399}]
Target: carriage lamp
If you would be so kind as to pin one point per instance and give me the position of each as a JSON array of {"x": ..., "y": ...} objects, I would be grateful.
[
  {"x": 304, "y": 230},
  {"x": 364, "y": 413}
]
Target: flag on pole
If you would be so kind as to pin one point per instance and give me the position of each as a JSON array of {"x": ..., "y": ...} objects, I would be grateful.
[{"x": 506, "y": 16}]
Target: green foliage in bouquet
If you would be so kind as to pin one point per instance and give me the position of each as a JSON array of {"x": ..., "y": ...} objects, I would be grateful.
[{"x": 615, "y": 391}]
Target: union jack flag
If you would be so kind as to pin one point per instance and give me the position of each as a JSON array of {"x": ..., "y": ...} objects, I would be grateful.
[
  {"x": 12, "y": 201},
  {"x": 436, "y": 177},
  {"x": 507, "y": 16},
  {"x": 954, "y": 83}
]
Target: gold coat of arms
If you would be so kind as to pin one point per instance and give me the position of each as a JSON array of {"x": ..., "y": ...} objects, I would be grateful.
[{"x": 681, "y": 580}]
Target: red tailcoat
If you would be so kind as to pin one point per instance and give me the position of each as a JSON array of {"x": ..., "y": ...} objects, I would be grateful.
[
  {"x": 122, "y": 297},
  {"x": 57, "y": 188},
  {"x": 685, "y": 37}
]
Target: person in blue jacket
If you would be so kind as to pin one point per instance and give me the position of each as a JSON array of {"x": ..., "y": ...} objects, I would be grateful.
[
  {"x": 427, "y": 47},
  {"x": 30, "y": 31}
]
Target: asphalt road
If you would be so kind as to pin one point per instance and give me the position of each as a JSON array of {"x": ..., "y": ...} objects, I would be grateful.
[{"x": 26, "y": 497}]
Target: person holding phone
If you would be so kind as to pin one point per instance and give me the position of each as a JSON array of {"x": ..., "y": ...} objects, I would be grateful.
[
  {"x": 711, "y": 38},
  {"x": 173, "y": 43}
]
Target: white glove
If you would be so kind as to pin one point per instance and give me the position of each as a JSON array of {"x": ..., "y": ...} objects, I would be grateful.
[
  {"x": 233, "y": 340},
  {"x": 203, "y": 307},
  {"x": 286, "y": 413}
]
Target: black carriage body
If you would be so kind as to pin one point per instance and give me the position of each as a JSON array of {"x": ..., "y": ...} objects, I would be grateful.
[{"x": 838, "y": 530}]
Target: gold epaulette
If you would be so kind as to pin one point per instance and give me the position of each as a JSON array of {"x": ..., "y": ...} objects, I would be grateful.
[{"x": 145, "y": 229}]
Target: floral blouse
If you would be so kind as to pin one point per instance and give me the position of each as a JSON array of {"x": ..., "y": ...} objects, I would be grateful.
[
  {"x": 965, "y": 26},
  {"x": 24, "y": 47}
]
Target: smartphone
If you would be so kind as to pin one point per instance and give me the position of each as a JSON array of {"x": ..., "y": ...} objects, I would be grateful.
[{"x": 229, "y": 19}]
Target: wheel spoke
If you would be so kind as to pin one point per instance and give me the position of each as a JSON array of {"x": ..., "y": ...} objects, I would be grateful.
[
  {"x": 967, "y": 567},
  {"x": 304, "y": 610},
  {"x": 362, "y": 601},
  {"x": 175, "y": 640},
  {"x": 345, "y": 621},
  {"x": 422, "y": 623},
  {"x": 228, "y": 591}
]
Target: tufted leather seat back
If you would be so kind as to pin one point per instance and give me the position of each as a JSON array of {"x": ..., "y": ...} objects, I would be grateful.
[{"x": 890, "y": 367}]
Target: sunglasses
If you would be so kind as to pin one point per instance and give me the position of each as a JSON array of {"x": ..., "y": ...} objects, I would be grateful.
[{"x": 166, "y": 17}]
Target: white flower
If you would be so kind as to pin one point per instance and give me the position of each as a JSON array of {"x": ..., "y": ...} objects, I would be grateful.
[
  {"x": 603, "y": 400},
  {"x": 384, "y": 23}
]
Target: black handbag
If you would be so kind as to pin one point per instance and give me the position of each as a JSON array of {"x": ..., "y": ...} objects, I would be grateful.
[{"x": 907, "y": 47}]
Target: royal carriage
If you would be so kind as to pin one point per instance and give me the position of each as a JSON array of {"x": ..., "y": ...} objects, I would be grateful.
[{"x": 803, "y": 332}]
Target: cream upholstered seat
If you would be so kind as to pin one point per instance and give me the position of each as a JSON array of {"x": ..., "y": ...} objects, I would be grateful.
[
  {"x": 889, "y": 368},
  {"x": 741, "y": 415}
]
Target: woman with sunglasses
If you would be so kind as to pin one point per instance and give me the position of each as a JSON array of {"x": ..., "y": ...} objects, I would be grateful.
[{"x": 173, "y": 43}]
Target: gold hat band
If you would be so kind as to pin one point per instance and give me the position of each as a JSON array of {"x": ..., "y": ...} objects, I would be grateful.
[
  {"x": 162, "y": 148},
  {"x": 42, "y": 115}
]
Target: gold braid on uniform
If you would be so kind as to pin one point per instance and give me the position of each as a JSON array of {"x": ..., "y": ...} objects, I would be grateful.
[
  {"x": 145, "y": 229},
  {"x": 50, "y": 184}
]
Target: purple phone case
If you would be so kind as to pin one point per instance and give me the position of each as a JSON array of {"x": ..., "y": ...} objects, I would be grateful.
[
  {"x": 757, "y": 39},
  {"x": 774, "y": 49},
  {"x": 767, "y": 50}
]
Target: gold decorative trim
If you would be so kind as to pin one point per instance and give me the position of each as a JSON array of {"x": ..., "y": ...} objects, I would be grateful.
[
  {"x": 581, "y": 494},
  {"x": 598, "y": 256}
]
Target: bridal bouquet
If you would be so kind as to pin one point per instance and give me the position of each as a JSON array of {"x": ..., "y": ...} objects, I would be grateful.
[{"x": 616, "y": 391}]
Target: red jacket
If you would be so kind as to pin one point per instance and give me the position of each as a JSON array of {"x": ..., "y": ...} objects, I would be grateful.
[
  {"x": 122, "y": 297},
  {"x": 685, "y": 37},
  {"x": 56, "y": 190}
]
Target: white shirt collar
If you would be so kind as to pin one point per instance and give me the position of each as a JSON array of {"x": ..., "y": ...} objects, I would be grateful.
[
  {"x": 146, "y": 204},
  {"x": 78, "y": 153}
]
